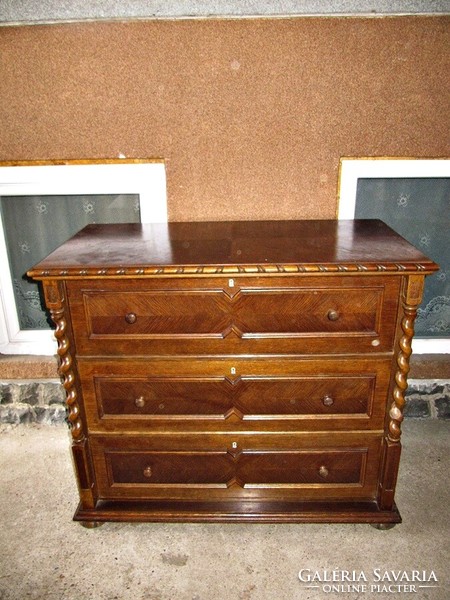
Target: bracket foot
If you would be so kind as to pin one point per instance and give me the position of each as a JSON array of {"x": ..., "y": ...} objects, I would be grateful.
[
  {"x": 383, "y": 526},
  {"x": 91, "y": 524}
]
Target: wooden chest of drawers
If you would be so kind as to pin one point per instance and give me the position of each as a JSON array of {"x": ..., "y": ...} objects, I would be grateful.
[{"x": 235, "y": 371}]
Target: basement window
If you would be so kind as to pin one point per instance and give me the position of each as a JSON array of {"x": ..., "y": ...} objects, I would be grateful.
[
  {"x": 42, "y": 206},
  {"x": 413, "y": 197}
]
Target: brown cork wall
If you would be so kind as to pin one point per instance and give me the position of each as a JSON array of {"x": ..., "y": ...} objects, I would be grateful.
[{"x": 250, "y": 115}]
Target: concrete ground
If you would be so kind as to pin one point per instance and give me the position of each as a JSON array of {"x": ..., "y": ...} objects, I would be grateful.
[{"x": 44, "y": 555}]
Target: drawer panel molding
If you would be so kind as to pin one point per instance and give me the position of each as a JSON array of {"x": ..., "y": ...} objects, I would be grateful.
[
  {"x": 243, "y": 397},
  {"x": 254, "y": 315},
  {"x": 243, "y": 469}
]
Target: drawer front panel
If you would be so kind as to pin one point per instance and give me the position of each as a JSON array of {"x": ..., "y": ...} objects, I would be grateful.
[
  {"x": 165, "y": 313},
  {"x": 293, "y": 312},
  {"x": 234, "y": 316},
  {"x": 236, "y": 467},
  {"x": 249, "y": 468},
  {"x": 215, "y": 397},
  {"x": 171, "y": 313},
  {"x": 235, "y": 394}
]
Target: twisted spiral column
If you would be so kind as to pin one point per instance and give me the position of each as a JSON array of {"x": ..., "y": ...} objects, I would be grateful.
[
  {"x": 67, "y": 375},
  {"x": 396, "y": 410},
  {"x": 54, "y": 296}
]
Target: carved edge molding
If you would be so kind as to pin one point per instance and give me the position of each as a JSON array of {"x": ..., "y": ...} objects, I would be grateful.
[
  {"x": 235, "y": 269},
  {"x": 411, "y": 300},
  {"x": 55, "y": 300}
]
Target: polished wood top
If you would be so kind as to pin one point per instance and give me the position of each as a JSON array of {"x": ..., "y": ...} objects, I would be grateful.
[{"x": 310, "y": 246}]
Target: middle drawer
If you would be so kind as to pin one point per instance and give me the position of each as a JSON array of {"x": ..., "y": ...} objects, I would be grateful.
[{"x": 234, "y": 395}]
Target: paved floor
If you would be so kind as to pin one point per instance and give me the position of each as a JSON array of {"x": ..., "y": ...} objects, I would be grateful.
[{"x": 44, "y": 555}]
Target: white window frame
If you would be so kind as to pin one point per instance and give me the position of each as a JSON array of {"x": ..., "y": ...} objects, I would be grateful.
[
  {"x": 144, "y": 177},
  {"x": 352, "y": 169}
]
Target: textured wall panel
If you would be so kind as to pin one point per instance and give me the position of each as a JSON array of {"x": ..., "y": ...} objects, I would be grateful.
[{"x": 251, "y": 116}]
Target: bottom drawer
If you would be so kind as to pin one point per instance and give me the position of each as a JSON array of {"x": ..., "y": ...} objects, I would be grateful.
[{"x": 237, "y": 466}]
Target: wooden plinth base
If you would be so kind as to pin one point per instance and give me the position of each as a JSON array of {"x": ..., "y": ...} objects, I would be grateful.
[{"x": 242, "y": 512}]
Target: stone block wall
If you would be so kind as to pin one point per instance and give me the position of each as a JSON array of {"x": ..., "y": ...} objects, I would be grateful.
[
  {"x": 428, "y": 398},
  {"x": 27, "y": 401}
]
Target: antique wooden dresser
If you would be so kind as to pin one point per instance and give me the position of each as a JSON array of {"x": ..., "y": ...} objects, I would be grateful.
[{"x": 236, "y": 371}]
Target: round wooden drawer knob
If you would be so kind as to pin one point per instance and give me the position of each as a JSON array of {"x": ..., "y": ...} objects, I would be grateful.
[
  {"x": 333, "y": 315},
  {"x": 327, "y": 401},
  {"x": 148, "y": 472},
  {"x": 130, "y": 318},
  {"x": 323, "y": 472},
  {"x": 140, "y": 402}
]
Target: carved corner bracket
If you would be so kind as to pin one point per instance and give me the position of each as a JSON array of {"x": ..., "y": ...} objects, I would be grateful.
[{"x": 55, "y": 301}]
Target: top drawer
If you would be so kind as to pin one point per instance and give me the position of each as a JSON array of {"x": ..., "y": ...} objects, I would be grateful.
[{"x": 243, "y": 315}]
